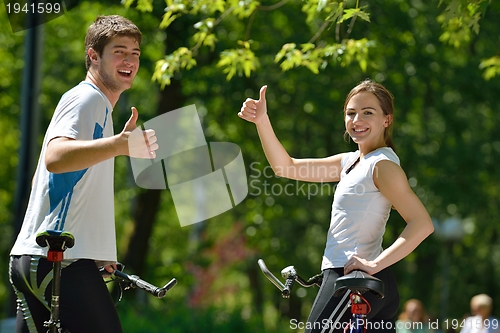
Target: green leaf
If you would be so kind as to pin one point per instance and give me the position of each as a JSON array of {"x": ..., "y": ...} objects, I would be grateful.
[
  {"x": 128, "y": 3},
  {"x": 243, "y": 8},
  {"x": 313, "y": 66},
  {"x": 353, "y": 12},
  {"x": 238, "y": 61},
  {"x": 321, "y": 5},
  {"x": 364, "y": 16},
  {"x": 286, "y": 48},
  {"x": 491, "y": 67},
  {"x": 307, "y": 47},
  {"x": 349, "y": 13},
  {"x": 210, "y": 41},
  {"x": 145, "y": 5},
  {"x": 168, "y": 18},
  {"x": 142, "y": 5},
  {"x": 182, "y": 58}
]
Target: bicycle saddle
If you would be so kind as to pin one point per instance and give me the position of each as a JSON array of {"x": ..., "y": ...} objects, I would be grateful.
[
  {"x": 359, "y": 281},
  {"x": 57, "y": 240}
]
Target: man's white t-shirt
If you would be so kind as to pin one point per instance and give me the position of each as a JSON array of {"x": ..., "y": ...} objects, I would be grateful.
[
  {"x": 359, "y": 211},
  {"x": 80, "y": 202}
]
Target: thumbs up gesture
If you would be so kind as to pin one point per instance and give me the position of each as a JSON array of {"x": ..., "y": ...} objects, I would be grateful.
[
  {"x": 254, "y": 110},
  {"x": 141, "y": 144}
]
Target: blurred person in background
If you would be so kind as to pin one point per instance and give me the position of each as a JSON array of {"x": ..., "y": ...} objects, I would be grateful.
[
  {"x": 481, "y": 319},
  {"x": 413, "y": 318}
]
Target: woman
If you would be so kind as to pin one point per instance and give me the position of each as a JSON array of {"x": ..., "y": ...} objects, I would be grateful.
[
  {"x": 413, "y": 318},
  {"x": 370, "y": 183}
]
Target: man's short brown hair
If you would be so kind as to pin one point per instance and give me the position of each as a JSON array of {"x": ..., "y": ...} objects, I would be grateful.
[{"x": 104, "y": 29}]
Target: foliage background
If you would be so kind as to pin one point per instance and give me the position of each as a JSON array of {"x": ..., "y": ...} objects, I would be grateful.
[{"x": 446, "y": 135}]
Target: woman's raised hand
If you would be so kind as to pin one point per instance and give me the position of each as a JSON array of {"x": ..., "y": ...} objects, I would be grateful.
[{"x": 254, "y": 110}]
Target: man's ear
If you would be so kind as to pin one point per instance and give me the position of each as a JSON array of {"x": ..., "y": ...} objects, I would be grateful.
[{"x": 93, "y": 55}]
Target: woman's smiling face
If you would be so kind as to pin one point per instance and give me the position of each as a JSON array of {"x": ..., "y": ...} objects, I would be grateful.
[{"x": 365, "y": 120}]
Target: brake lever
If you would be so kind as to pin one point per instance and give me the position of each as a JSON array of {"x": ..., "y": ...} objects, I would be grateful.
[{"x": 106, "y": 274}]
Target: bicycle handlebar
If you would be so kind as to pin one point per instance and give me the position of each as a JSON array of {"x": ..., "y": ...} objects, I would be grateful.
[
  {"x": 136, "y": 282},
  {"x": 287, "y": 291},
  {"x": 133, "y": 281},
  {"x": 290, "y": 274},
  {"x": 270, "y": 275}
]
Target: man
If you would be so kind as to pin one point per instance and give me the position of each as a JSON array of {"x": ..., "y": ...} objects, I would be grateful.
[
  {"x": 481, "y": 320},
  {"x": 73, "y": 188}
]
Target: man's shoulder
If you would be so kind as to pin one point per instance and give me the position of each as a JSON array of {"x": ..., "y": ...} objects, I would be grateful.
[
  {"x": 84, "y": 90},
  {"x": 84, "y": 94}
]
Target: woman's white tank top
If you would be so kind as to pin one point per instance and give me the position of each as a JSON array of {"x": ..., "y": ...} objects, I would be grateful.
[{"x": 359, "y": 211}]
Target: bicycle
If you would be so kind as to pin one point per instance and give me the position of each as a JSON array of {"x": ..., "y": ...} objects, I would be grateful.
[
  {"x": 352, "y": 285},
  {"x": 59, "y": 241}
]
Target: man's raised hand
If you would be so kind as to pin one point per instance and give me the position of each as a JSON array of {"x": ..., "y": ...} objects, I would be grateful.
[{"x": 141, "y": 144}]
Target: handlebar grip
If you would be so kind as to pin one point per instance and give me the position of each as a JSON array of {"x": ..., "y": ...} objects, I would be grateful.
[
  {"x": 288, "y": 288},
  {"x": 169, "y": 285},
  {"x": 141, "y": 284},
  {"x": 153, "y": 290}
]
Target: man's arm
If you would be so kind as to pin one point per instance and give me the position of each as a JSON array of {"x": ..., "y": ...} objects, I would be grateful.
[{"x": 66, "y": 155}]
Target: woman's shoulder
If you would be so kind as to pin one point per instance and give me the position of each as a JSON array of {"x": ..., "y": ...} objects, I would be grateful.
[
  {"x": 348, "y": 158},
  {"x": 384, "y": 153}
]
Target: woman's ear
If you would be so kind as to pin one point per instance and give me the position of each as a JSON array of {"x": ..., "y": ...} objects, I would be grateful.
[{"x": 388, "y": 120}]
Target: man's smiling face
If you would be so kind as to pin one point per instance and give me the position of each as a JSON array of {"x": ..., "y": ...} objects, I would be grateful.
[{"x": 119, "y": 63}]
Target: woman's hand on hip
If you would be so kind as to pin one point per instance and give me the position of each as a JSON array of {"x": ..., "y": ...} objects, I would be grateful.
[{"x": 360, "y": 264}]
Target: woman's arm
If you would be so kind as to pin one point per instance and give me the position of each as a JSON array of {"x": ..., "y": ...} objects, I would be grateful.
[
  {"x": 391, "y": 181},
  {"x": 310, "y": 169}
]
